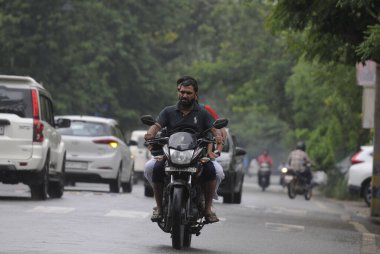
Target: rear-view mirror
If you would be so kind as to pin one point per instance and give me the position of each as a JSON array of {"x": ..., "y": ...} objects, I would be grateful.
[
  {"x": 240, "y": 151},
  {"x": 147, "y": 120},
  {"x": 62, "y": 123},
  {"x": 220, "y": 123}
]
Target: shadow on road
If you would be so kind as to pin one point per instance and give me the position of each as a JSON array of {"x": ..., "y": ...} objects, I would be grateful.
[
  {"x": 85, "y": 190},
  {"x": 14, "y": 198},
  {"x": 169, "y": 249}
]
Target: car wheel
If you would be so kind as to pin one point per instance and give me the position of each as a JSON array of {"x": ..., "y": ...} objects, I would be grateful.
[
  {"x": 148, "y": 191},
  {"x": 228, "y": 198},
  {"x": 56, "y": 189},
  {"x": 238, "y": 195},
  {"x": 116, "y": 183},
  {"x": 40, "y": 191},
  {"x": 367, "y": 193},
  {"x": 128, "y": 186}
]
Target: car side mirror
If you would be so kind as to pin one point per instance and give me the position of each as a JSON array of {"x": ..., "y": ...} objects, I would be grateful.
[
  {"x": 132, "y": 142},
  {"x": 220, "y": 123},
  {"x": 240, "y": 151},
  {"x": 62, "y": 123},
  {"x": 147, "y": 120}
]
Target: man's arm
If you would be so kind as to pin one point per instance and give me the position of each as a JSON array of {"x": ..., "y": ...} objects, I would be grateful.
[
  {"x": 152, "y": 131},
  {"x": 218, "y": 138}
]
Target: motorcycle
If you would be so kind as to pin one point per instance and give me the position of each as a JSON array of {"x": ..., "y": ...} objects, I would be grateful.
[
  {"x": 183, "y": 199},
  {"x": 264, "y": 176},
  {"x": 297, "y": 184}
]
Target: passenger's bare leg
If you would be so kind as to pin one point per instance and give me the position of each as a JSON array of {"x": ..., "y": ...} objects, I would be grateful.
[
  {"x": 209, "y": 193},
  {"x": 157, "y": 190}
]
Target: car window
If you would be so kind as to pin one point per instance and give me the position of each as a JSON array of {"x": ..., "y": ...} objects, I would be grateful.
[
  {"x": 16, "y": 101},
  {"x": 86, "y": 129},
  {"x": 119, "y": 133},
  {"x": 46, "y": 110},
  {"x": 140, "y": 142}
]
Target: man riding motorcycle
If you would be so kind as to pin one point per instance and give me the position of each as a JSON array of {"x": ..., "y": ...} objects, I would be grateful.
[
  {"x": 186, "y": 112},
  {"x": 298, "y": 160},
  {"x": 148, "y": 171}
]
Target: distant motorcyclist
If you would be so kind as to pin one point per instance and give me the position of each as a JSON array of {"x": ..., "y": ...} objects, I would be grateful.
[
  {"x": 265, "y": 158},
  {"x": 298, "y": 160},
  {"x": 265, "y": 164}
]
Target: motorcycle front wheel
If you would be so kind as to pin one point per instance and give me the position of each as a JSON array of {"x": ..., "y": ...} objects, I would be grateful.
[
  {"x": 292, "y": 189},
  {"x": 187, "y": 237},
  {"x": 178, "y": 229}
]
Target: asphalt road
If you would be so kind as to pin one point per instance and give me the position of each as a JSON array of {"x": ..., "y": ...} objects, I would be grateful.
[{"x": 89, "y": 219}]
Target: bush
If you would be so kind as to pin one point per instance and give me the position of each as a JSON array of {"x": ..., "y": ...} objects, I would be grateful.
[{"x": 336, "y": 186}]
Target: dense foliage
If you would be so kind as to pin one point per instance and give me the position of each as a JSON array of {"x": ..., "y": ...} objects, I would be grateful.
[{"x": 121, "y": 59}]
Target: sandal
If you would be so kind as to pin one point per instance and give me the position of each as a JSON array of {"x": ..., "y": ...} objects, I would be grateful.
[
  {"x": 156, "y": 216},
  {"x": 211, "y": 218}
]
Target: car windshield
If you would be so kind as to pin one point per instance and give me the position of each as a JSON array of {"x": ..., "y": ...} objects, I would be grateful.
[
  {"x": 16, "y": 101},
  {"x": 86, "y": 129}
]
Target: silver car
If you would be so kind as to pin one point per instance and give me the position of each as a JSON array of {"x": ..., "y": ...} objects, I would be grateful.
[{"x": 97, "y": 152}]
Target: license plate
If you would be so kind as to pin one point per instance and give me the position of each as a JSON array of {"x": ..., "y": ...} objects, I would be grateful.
[
  {"x": 76, "y": 165},
  {"x": 2, "y": 130},
  {"x": 288, "y": 178}
]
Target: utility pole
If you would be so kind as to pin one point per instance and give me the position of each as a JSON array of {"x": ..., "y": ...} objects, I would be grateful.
[{"x": 375, "y": 203}]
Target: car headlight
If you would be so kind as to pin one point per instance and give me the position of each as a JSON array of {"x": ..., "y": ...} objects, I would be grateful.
[{"x": 181, "y": 157}]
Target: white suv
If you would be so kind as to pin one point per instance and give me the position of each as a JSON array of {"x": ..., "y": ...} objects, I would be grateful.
[
  {"x": 31, "y": 150},
  {"x": 360, "y": 173}
]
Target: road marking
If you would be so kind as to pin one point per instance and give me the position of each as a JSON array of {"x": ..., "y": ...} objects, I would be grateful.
[
  {"x": 324, "y": 207},
  {"x": 283, "y": 210},
  {"x": 368, "y": 239},
  {"x": 278, "y": 210},
  {"x": 127, "y": 214},
  {"x": 51, "y": 209},
  {"x": 284, "y": 227}
]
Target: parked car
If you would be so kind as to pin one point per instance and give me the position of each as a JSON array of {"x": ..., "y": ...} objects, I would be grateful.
[
  {"x": 31, "y": 151},
  {"x": 231, "y": 159},
  {"x": 97, "y": 152},
  {"x": 360, "y": 173},
  {"x": 139, "y": 152}
]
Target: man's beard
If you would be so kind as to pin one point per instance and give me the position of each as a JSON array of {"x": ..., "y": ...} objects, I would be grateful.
[{"x": 185, "y": 104}]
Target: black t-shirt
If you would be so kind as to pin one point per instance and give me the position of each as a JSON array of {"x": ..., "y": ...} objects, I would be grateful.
[{"x": 199, "y": 118}]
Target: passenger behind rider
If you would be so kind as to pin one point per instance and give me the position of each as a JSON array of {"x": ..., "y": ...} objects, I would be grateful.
[
  {"x": 186, "y": 112},
  {"x": 148, "y": 172},
  {"x": 299, "y": 161}
]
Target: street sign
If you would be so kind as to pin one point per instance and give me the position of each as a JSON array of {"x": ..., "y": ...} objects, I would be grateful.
[{"x": 366, "y": 73}]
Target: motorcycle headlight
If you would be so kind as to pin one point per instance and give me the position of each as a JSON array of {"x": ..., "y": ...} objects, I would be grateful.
[
  {"x": 181, "y": 157},
  {"x": 284, "y": 170}
]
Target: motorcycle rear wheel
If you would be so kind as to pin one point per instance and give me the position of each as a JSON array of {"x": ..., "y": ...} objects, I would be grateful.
[
  {"x": 308, "y": 193},
  {"x": 292, "y": 190},
  {"x": 178, "y": 229}
]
